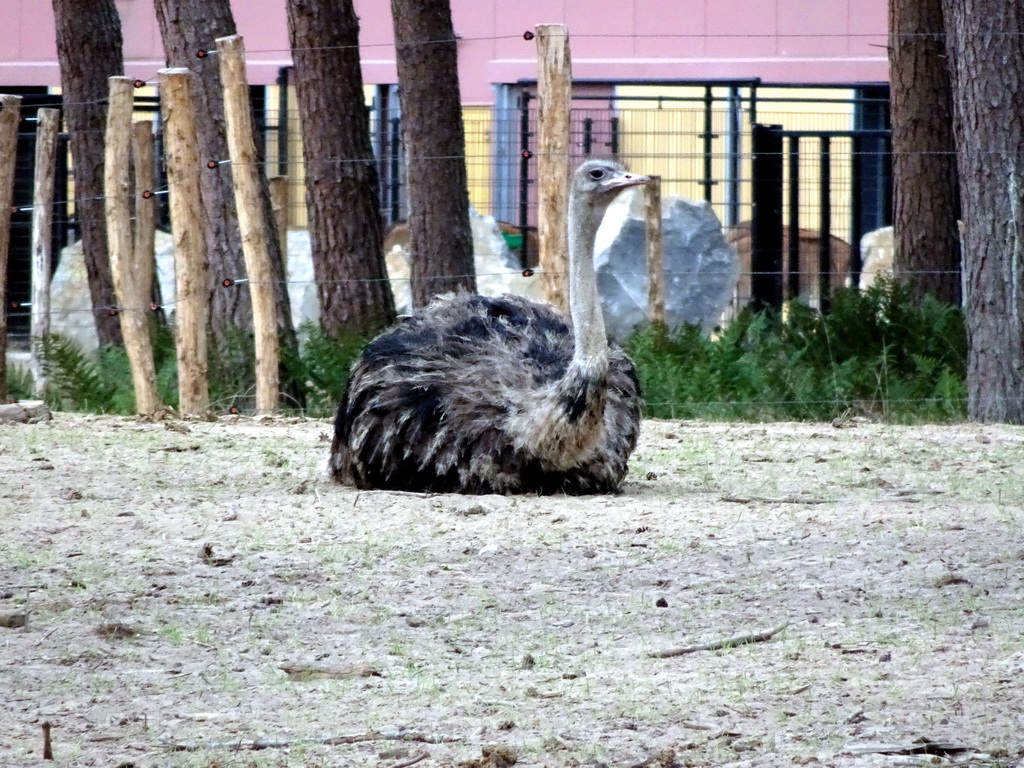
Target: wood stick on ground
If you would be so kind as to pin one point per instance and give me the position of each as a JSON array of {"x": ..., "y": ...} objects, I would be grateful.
[
  {"x": 24, "y": 412},
  {"x": 257, "y": 745},
  {"x": 769, "y": 500},
  {"x": 419, "y": 758},
  {"x": 715, "y": 645}
]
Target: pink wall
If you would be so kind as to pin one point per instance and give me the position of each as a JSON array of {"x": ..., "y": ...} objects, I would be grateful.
[{"x": 779, "y": 41}]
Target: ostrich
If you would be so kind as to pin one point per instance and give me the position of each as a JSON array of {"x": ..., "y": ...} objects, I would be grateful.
[{"x": 498, "y": 395}]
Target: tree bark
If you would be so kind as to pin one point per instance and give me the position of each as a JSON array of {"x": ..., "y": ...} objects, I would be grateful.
[
  {"x": 186, "y": 27},
  {"x": 926, "y": 204},
  {"x": 89, "y": 49},
  {"x": 985, "y": 42},
  {"x": 10, "y": 117},
  {"x": 428, "y": 81},
  {"x": 342, "y": 188}
]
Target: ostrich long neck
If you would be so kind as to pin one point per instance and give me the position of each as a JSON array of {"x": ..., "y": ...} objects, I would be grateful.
[
  {"x": 561, "y": 425},
  {"x": 591, "y": 343}
]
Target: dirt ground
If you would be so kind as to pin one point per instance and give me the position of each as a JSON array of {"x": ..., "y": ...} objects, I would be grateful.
[{"x": 199, "y": 594}]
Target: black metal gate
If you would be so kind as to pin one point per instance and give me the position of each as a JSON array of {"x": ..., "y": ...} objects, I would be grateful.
[
  {"x": 777, "y": 159},
  {"x": 18, "y": 291}
]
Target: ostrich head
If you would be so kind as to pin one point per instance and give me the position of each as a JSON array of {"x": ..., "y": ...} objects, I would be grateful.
[{"x": 596, "y": 183}]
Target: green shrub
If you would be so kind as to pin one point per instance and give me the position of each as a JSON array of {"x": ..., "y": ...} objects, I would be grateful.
[
  {"x": 876, "y": 352},
  {"x": 77, "y": 382},
  {"x": 19, "y": 383},
  {"x": 321, "y": 367}
]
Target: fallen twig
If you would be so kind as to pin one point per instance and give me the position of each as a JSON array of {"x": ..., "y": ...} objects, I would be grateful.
[
  {"x": 256, "y": 745},
  {"x": 302, "y": 671},
  {"x": 715, "y": 645},
  {"x": 920, "y": 746},
  {"x": 407, "y": 763},
  {"x": 770, "y": 500}
]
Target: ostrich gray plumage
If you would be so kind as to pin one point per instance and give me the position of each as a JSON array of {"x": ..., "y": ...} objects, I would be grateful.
[{"x": 498, "y": 395}]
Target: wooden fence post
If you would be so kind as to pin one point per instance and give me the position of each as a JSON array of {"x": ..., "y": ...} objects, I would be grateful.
[
  {"x": 47, "y": 128},
  {"x": 655, "y": 267},
  {"x": 251, "y": 223},
  {"x": 10, "y": 114},
  {"x": 132, "y": 306},
  {"x": 181, "y": 148},
  {"x": 144, "y": 156},
  {"x": 554, "y": 91}
]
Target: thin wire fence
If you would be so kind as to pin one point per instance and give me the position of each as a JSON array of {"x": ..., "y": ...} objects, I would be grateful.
[{"x": 699, "y": 144}]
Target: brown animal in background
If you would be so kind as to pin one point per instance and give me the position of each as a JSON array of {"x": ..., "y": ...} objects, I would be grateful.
[{"x": 739, "y": 237}]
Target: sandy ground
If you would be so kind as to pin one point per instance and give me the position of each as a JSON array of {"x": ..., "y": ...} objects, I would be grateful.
[{"x": 198, "y": 594}]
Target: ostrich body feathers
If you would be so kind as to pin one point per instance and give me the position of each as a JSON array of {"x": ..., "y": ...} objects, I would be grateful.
[{"x": 471, "y": 395}]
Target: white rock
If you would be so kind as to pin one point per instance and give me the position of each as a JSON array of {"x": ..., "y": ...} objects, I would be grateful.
[
  {"x": 876, "y": 251},
  {"x": 489, "y": 550}
]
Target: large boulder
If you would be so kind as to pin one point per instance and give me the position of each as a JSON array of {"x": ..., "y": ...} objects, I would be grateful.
[
  {"x": 700, "y": 267},
  {"x": 497, "y": 269},
  {"x": 70, "y": 302},
  {"x": 71, "y": 313}
]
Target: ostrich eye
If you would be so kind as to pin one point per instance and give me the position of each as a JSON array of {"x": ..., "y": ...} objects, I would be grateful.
[{"x": 597, "y": 174}]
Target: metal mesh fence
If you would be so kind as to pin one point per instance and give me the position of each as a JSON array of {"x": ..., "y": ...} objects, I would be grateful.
[{"x": 698, "y": 141}]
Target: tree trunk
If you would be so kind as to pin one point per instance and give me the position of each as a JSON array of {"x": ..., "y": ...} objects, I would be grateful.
[
  {"x": 926, "y": 237},
  {"x": 89, "y": 51},
  {"x": 985, "y": 42},
  {"x": 186, "y": 27},
  {"x": 342, "y": 188},
  {"x": 428, "y": 81}
]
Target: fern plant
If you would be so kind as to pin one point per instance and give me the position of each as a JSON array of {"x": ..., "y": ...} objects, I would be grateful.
[
  {"x": 74, "y": 382},
  {"x": 876, "y": 352},
  {"x": 20, "y": 385},
  {"x": 321, "y": 367}
]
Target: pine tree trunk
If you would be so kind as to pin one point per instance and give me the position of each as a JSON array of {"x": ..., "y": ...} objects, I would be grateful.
[
  {"x": 89, "y": 51},
  {"x": 342, "y": 188},
  {"x": 985, "y": 43},
  {"x": 186, "y": 27},
  {"x": 926, "y": 205},
  {"x": 434, "y": 138}
]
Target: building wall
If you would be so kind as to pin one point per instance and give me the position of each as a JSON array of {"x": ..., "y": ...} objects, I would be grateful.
[
  {"x": 779, "y": 41},
  {"x": 638, "y": 48}
]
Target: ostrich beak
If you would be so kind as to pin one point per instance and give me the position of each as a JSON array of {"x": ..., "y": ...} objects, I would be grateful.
[{"x": 625, "y": 180}]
